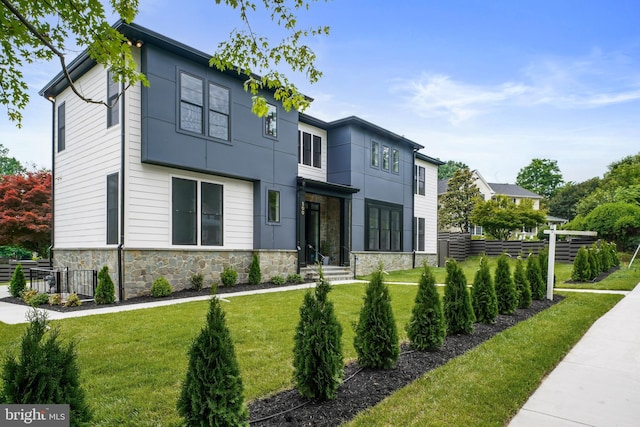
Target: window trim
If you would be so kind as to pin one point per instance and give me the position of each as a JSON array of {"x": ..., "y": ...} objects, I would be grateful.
[
  {"x": 61, "y": 134},
  {"x": 113, "y": 113},
  {"x": 273, "y": 219}
]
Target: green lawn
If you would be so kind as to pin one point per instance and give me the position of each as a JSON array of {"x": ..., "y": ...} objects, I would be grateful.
[{"x": 132, "y": 363}]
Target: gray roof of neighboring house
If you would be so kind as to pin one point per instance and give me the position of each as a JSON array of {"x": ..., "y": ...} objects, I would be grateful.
[{"x": 511, "y": 190}]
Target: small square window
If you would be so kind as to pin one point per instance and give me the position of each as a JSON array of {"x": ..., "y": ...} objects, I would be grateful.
[
  {"x": 271, "y": 121},
  {"x": 274, "y": 206}
]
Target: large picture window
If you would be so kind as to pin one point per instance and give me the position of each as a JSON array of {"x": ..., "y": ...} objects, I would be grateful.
[
  {"x": 113, "y": 112},
  {"x": 204, "y": 110},
  {"x": 197, "y": 213},
  {"x": 383, "y": 226},
  {"x": 112, "y": 209}
]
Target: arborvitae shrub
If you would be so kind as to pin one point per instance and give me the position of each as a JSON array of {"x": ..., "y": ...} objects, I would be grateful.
[
  {"x": 105, "y": 292},
  {"x": 45, "y": 372},
  {"x": 376, "y": 339},
  {"x": 229, "y": 276},
  {"x": 605, "y": 258},
  {"x": 594, "y": 263},
  {"x": 522, "y": 285},
  {"x": 211, "y": 394},
  {"x": 615, "y": 260},
  {"x": 278, "y": 280},
  {"x": 18, "y": 282},
  {"x": 161, "y": 287},
  {"x": 458, "y": 311},
  {"x": 197, "y": 281},
  {"x": 543, "y": 259},
  {"x": 505, "y": 287},
  {"x": 483, "y": 294},
  {"x": 581, "y": 269},
  {"x": 426, "y": 328},
  {"x": 255, "y": 276},
  {"x": 318, "y": 366},
  {"x": 534, "y": 276}
]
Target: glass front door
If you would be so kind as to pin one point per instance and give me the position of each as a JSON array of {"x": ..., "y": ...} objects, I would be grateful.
[{"x": 312, "y": 231}]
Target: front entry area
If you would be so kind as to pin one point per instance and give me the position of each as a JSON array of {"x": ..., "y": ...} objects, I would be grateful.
[{"x": 324, "y": 223}]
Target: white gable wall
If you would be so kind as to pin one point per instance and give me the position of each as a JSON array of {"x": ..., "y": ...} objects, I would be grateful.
[
  {"x": 310, "y": 172},
  {"x": 427, "y": 206}
]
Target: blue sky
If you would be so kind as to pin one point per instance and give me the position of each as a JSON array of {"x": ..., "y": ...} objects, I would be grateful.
[{"x": 492, "y": 84}]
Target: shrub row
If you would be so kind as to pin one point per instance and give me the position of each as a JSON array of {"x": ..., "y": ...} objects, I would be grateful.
[{"x": 590, "y": 262}]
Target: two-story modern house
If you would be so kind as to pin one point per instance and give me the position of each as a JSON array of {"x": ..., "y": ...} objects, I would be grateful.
[{"x": 181, "y": 178}]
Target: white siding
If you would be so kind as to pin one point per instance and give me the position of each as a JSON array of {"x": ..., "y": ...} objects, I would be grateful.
[
  {"x": 427, "y": 206},
  {"x": 310, "y": 172},
  {"x": 91, "y": 153}
]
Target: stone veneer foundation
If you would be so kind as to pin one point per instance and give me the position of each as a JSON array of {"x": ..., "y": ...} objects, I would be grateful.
[
  {"x": 368, "y": 262},
  {"x": 142, "y": 266}
]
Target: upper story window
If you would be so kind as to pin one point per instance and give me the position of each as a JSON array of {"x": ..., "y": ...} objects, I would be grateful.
[
  {"x": 395, "y": 161},
  {"x": 113, "y": 111},
  {"x": 309, "y": 149},
  {"x": 271, "y": 121},
  {"x": 385, "y": 158},
  {"x": 375, "y": 154},
  {"x": 191, "y": 103},
  {"x": 218, "y": 111},
  {"x": 61, "y": 127},
  {"x": 419, "y": 180}
]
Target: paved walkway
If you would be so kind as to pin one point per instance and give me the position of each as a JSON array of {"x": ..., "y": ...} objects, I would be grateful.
[{"x": 597, "y": 383}]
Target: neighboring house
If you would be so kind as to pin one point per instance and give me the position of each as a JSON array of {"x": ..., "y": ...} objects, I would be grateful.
[
  {"x": 490, "y": 191},
  {"x": 425, "y": 220},
  {"x": 182, "y": 178}
]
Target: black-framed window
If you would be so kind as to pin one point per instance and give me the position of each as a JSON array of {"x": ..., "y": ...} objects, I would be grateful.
[
  {"x": 271, "y": 121},
  {"x": 197, "y": 210},
  {"x": 113, "y": 111},
  {"x": 191, "y": 103},
  {"x": 375, "y": 154},
  {"x": 218, "y": 111},
  {"x": 61, "y": 127},
  {"x": 395, "y": 161},
  {"x": 383, "y": 226},
  {"x": 386, "y": 153},
  {"x": 273, "y": 214},
  {"x": 419, "y": 180},
  {"x": 112, "y": 208},
  {"x": 421, "y": 231},
  {"x": 211, "y": 214},
  {"x": 309, "y": 149}
]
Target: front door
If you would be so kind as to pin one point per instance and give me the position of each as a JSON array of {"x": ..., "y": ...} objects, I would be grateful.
[{"x": 312, "y": 231}]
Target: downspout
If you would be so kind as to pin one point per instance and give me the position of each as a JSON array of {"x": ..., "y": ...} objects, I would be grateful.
[
  {"x": 53, "y": 176},
  {"x": 122, "y": 192}
]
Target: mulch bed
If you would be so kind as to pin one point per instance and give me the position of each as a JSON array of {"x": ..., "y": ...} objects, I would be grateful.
[{"x": 365, "y": 388}]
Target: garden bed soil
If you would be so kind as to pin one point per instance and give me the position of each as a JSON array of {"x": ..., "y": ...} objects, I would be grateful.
[{"x": 365, "y": 388}]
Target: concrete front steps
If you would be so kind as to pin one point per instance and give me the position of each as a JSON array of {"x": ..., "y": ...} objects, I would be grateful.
[{"x": 331, "y": 272}]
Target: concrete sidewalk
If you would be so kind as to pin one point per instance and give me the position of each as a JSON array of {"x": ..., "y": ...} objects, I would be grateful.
[{"x": 598, "y": 382}]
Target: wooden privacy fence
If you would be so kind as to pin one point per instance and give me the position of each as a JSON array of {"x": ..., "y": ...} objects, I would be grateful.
[
  {"x": 460, "y": 246},
  {"x": 7, "y": 266}
]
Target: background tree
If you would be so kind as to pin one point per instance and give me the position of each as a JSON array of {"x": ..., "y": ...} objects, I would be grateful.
[
  {"x": 448, "y": 169},
  {"x": 212, "y": 390},
  {"x": 458, "y": 202},
  {"x": 318, "y": 366},
  {"x": 30, "y": 35},
  {"x": 483, "y": 295},
  {"x": 458, "y": 311},
  {"x": 564, "y": 203},
  {"x": 426, "y": 328},
  {"x": 25, "y": 211},
  {"x": 376, "y": 339},
  {"x": 9, "y": 165},
  {"x": 617, "y": 222},
  {"x": 501, "y": 217},
  {"x": 542, "y": 176},
  {"x": 506, "y": 292}
]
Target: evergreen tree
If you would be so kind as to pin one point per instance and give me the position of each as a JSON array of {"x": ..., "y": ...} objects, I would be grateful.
[
  {"x": 594, "y": 262},
  {"x": 506, "y": 292},
  {"x": 485, "y": 302},
  {"x": 318, "y": 366},
  {"x": 105, "y": 292},
  {"x": 18, "y": 282},
  {"x": 543, "y": 259},
  {"x": 212, "y": 390},
  {"x": 458, "y": 311},
  {"x": 376, "y": 339},
  {"x": 426, "y": 328},
  {"x": 522, "y": 285},
  {"x": 255, "y": 276},
  {"x": 534, "y": 276},
  {"x": 581, "y": 270},
  {"x": 45, "y": 372},
  {"x": 605, "y": 258}
]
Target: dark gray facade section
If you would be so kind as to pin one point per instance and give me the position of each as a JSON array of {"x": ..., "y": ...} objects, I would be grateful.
[{"x": 271, "y": 163}]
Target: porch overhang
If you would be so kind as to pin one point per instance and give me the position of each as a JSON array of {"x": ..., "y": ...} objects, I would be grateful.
[{"x": 326, "y": 188}]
